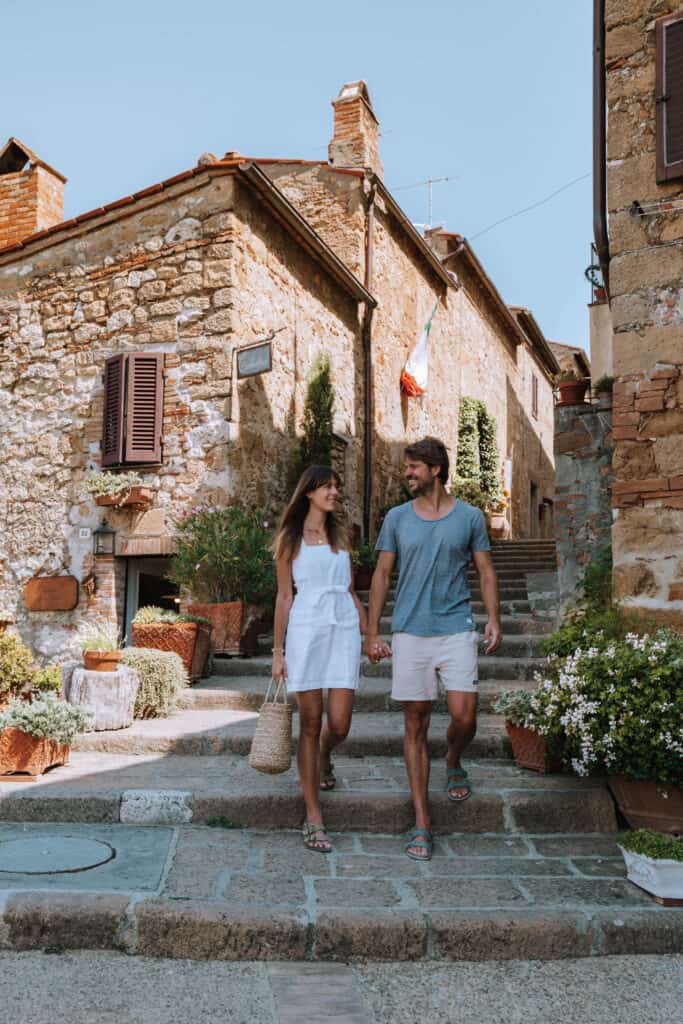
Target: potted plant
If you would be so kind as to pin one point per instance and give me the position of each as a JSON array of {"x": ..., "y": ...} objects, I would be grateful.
[
  {"x": 571, "y": 387},
  {"x": 162, "y": 678},
  {"x": 654, "y": 862},
  {"x": 603, "y": 388},
  {"x": 223, "y": 560},
  {"x": 100, "y": 642},
  {"x": 164, "y": 630},
  {"x": 36, "y": 736},
  {"x": 529, "y": 749},
  {"x": 119, "y": 489},
  {"x": 616, "y": 705},
  {"x": 363, "y": 559},
  {"x": 499, "y": 527}
]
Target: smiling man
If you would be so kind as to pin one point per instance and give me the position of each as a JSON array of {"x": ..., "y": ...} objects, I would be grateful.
[{"x": 432, "y": 538}]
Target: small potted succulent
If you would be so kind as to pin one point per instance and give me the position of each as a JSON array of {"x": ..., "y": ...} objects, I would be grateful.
[
  {"x": 529, "y": 749},
  {"x": 363, "y": 559},
  {"x": 188, "y": 635},
  {"x": 36, "y": 736},
  {"x": 119, "y": 489},
  {"x": 603, "y": 388},
  {"x": 654, "y": 862},
  {"x": 571, "y": 387},
  {"x": 100, "y": 642}
]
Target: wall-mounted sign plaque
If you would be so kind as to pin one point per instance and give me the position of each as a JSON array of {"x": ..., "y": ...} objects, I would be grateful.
[
  {"x": 254, "y": 359},
  {"x": 51, "y": 593}
]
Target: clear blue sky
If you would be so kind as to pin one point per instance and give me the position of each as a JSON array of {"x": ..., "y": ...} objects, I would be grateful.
[{"x": 493, "y": 95}]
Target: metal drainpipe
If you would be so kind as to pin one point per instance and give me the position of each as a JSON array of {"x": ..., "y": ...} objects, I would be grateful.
[
  {"x": 600, "y": 141},
  {"x": 367, "y": 365}
]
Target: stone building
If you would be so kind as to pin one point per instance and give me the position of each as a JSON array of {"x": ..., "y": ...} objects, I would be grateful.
[
  {"x": 154, "y": 295},
  {"x": 638, "y": 76}
]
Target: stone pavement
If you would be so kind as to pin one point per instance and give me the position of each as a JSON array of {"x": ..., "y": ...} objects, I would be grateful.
[{"x": 110, "y": 988}]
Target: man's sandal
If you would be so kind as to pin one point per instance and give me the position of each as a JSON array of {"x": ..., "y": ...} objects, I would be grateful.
[
  {"x": 315, "y": 838},
  {"x": 425, "y": 843},
  {"x": 457, "y": 779},
  {"x": 328, "y": 779}
]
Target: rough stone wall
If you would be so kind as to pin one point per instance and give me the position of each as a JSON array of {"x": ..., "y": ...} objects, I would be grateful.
[
  {"x": 164, "y": 279},
  {"x": 583, "y": 515},
  {"x": 646, "y": 300},
  {"x": 29, "y": 201}
]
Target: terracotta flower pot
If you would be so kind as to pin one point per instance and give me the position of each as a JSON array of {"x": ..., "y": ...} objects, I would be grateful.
[
  {"x": 101, "y": 661},
  {"x": 21, "y": 753},
  {"x": 234, "y": 625},
  {"x": 529, "y": 750},
  {"x": 499, "y": 528},
  {"x": 658, "y": 806},
  {"x": 128, "y": 497},
  {"x": 180, "y": 637},
  {"x": 572, "y": 392}
]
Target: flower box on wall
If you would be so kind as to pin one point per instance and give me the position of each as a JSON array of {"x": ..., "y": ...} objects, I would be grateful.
[{"x": 136, "y": 496}]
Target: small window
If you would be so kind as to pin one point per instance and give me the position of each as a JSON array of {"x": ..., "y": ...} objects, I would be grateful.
[
  {"x": 133, "y": 408},
  {"x": 669, "y": 97},
  {"x": 534, "y": 396}
]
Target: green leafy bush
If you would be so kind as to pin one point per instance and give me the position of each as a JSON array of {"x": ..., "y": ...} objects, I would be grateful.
[
  {"x": 162, "y": 679},
  {"x": 48, "y": 679},
  {"x": 605, "y": 383},
  {"x": 471, "y": 492},
  {"x": 46, "y": 718},
  {"x": 16, "y": 665},
  {"x": 653, "y": 844},
  {"x": 514, "y": 706},
  {"x": 224, "y": 555},
  {"x": 364, "y": 556},
  {"x": 315, "y": 446},
  {"x": 478, "y": 458},
  {"x": 617, "y": 706}
]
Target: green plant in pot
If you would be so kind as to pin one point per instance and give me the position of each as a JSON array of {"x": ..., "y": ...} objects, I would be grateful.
[
  {"x": 100, "y": 641},
  {"x": 572, "y": 388},
  {"x": 363, "y": 559},
  {"x": 165, "y": 630},
  {"x": 119, "y": 489},
  {"x": 615, "y": 705},
  {"x": 654, "y": 862},
  {"x": 223, "y": 561},
  {"x": 529, "y": 749},
  {"x": 36, "y": 736}
]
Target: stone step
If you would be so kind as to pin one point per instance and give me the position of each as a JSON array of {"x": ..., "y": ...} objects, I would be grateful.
[
  {"x": 210, "y": 731},
  {"x": 490, "y": 667},
  {"x": 247, "y": 693},
  {"x": 507, "y": 607},
  {"x": 515, "y": 645},
  {"x": 371, "y": 796},
  {"x": 506, "y": 591}
]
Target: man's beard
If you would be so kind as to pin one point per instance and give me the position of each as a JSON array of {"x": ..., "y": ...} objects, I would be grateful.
[{"x": 421, "y": 487}]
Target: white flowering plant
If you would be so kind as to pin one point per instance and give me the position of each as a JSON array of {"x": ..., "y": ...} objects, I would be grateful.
[
  {"x": 616, "y": 706},
  {"x": 46, "y": 718},
  {"x": 107, "y": 485}
]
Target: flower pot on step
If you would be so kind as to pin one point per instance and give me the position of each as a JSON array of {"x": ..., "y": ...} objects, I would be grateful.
[
  {"x": 23, "y": 754},
  {"x": 663, "y": 879},
  {"x": 234, "y": 625},
  {"x": 654, "y": 805},
  {"x": 499, "y": 528},
  {"x": 101, "y": 661},
  {"x": 572, "y": 392},
  {"x": 529, "y": 750},
  {"x": 362, "y": 578},
  {"x": 180, "y": 637}
]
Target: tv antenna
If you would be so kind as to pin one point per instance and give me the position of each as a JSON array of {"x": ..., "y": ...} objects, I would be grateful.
[{"x": 429, "y": 182}]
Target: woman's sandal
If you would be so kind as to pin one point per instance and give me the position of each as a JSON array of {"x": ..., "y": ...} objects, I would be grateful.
[
  {"x": 320, "y": 845},
  {"x": 328, "y": 779},
  {"x": 457, "y": 779},
  {"x": 425, "y": 843}
]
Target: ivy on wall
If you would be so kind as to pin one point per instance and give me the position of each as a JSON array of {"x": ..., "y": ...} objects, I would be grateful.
[{"x": 478, "y": 458}]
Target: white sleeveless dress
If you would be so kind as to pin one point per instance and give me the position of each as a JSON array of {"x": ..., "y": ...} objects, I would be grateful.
[{"x": 323, "y": 634}]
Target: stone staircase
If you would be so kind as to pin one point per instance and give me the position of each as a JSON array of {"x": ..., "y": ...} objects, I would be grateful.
[{"x": 526, "y": 868}]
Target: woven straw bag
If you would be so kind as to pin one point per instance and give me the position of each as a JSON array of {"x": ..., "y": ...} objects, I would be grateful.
[{"x": 271, "y": 748}]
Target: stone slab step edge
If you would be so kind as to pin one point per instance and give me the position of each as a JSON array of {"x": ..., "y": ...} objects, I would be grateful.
[
  {"x": 490, "y": 667},
  {"x": 513, "y": 645}
]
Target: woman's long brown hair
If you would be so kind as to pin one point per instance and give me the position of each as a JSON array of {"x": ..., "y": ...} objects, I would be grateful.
[{"x": 291, "y": 528}]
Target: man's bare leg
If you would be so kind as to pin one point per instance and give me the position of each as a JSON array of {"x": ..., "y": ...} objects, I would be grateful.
[
  {"x": 462, "y": 728},
  {"x": 416, "y": 715}
]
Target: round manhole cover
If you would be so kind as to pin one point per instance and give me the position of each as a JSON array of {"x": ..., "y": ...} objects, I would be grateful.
[{"x": 52, "y": 855}]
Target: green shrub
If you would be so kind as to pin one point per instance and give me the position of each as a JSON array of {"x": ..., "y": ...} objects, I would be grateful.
[
  {"x": 478, "y": 457},
  {"x": 597, "y": 580},
  {"x": 46, "y": 718},
  {"x": 315, "y": 446},
  {"x": 364, "y": 556},
  {"x": 605, "y": 383},
  {"x": 471, "y": 492},
  {"x": 653, "y": 844},
  {"x": 162, "y": 679},
  {"x": 16, "y": 665},
  {"x": 151, "y": 613},
  {"x": 48, "y": 679},
  {"x": 514, "y": 706},
  {"x": 224, "y": 555}
]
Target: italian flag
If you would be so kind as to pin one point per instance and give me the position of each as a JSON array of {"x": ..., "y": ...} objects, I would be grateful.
[{"x": 415, "y": 372}]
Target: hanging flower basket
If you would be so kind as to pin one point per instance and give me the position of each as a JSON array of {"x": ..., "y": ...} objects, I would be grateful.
[
  {"x": 136, "y": 496},
  {"x": 25, "y": 755},
  {"x": 529, "y": 750}
]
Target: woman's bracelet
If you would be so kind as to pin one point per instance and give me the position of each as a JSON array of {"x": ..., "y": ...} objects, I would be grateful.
[{"x": 278, "y": 650}]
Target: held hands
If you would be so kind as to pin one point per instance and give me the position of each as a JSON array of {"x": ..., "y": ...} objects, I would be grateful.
[
  {"x": 492, "y": 636},
  {"x": 375, "y": 648},
  {"x": 279, "y": 670}
]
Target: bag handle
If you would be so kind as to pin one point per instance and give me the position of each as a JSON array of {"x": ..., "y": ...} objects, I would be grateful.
[{"x": 280, "y": 687}]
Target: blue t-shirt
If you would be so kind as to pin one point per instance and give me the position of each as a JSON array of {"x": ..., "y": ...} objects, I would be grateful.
[{"x": 432, "y": 596}]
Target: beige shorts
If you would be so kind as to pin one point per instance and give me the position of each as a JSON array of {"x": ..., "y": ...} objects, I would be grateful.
[{"x": 419, "y": 662}]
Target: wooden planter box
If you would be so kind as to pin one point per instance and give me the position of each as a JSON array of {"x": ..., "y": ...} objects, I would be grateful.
[
  {"x": 24, "y": 757},
  {"x": 130, "y": 497},
  {"x": 529, "y": 750},
  {"x": 648, "y": 804},
  {"x": 234, "y": 625},
  {"x": 190, "y": 640}
]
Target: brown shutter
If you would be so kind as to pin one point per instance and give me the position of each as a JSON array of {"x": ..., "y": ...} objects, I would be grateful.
[
  {"x": 669, "y": 96},
  {"x": 145, "y": 407},
  {"x": 112, "y": 425}
]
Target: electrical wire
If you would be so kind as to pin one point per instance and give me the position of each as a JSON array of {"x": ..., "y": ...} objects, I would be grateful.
[{"x": 533, "y": 206}]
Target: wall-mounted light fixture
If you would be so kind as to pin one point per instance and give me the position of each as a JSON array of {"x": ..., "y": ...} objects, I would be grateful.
[{"x": 104, "y": 539}]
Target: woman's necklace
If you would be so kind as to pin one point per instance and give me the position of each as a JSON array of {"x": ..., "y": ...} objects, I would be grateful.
[{"x": 317, "y": 534}]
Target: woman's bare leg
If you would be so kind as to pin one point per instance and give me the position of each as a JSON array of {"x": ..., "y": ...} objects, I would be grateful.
[{"x": 337, "y": 725}]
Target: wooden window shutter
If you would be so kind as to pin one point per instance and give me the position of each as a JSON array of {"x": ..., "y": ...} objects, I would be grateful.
[
  {"x": 144, "y": 407},
  {"x": 669, "y": 96},
  {"x": 112, "y": 425}
]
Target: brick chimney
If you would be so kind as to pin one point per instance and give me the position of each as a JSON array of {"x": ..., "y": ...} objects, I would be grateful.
[
  {"x": 31, "y": 193},
  {"x": 356, "y": 130}
]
